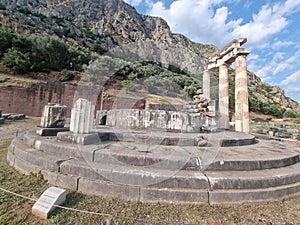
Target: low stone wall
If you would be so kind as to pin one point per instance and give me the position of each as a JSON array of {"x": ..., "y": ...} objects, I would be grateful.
[{"x": 152, "y": 119}]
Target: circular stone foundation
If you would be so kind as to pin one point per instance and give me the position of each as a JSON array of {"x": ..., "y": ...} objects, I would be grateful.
[{"x": 151, "y": 166}]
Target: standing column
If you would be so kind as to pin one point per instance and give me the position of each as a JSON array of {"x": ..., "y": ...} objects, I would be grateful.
[
  {"x": 82, "y": 117},
  {"x": 223, "y": 97},
  {"x": 241, "y": 95},
  {"x": 206, "y": 84}
]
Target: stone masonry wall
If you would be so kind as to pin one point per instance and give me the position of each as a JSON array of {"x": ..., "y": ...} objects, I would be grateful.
[{"x": 32, "y": 101}]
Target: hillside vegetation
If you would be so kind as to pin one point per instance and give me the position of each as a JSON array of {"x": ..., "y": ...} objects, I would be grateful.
[
  {"x": 78, "y": 35},
  {"x": 24, "y": 54}
]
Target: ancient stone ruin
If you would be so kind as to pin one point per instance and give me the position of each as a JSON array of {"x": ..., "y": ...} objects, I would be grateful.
[
  {"x": 81, "y": 125},
  {"x": 221, "y": 61},
  {"x": 82, "y": 117},
  {"x": 158, "y": 155},
  {"x": 53, "y": 120},
  {"x": 54, "y": 116}
]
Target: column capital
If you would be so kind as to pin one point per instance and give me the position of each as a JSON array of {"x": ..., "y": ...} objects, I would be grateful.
[{"x": 225, "y": 64}]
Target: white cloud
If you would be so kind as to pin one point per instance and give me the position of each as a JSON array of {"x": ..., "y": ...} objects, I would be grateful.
[
  {"x": 291, "y": 85},
  {"x": 248, "y": 4},
  {"x": 281, "y": 44},
  {"x": 210, "y": 21},
  {"x": 276, "y": 65},
  {"x": 292, "y": 81},
  {"x": 263, "y": 26},
  {"x": 281, "y": 67},
  {"x": 252, "y": 57},
  {"x": 197, "y": 20},
  {"x": 133, "y": 2},
  {"x": 207, "y": 21},
  {"x": 289, "y": 7}
]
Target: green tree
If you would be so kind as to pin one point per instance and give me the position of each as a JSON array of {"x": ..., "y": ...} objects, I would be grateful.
[
  {"x": 272, "y": 109},
  {"x": 49, "y": 53},
  {"x": 77, "y": 57},
  {"x": 6, "y": 37},
  {"x": 22, "y": 43},
  {"x": 17, "y": 61},
  {"x": 254, "y": 104},
  {"x": 99, "y": 49}
]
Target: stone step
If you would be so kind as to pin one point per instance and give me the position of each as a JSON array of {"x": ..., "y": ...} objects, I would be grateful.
[
  {"x": 263, "y": 195},
  {"x": 221, "y": 180},
  {"x": 148, "y": 184},
  {"x": 163, "y": 195},
  {"x": 171, "y": 157},
  {"x": 127, "y": 174}
]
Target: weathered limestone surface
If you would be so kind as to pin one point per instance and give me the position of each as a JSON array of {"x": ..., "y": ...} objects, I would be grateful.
[
  {"x": 241, "y": 95},
  {"x": 223, "y": 97},
  {"x": 206, "y": 84},
  {"x": 153, "y": 119},
  {"x": 230, "y": 53},
  {"x": 54, "y": 115},
  {"x": 235, "y": 175},
  {"x": 82, "y": 117}
]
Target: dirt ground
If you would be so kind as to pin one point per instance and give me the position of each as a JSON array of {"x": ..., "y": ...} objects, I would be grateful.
[
  {"x": 11, "y": 128},
  {"x": 15, "y": 210}
]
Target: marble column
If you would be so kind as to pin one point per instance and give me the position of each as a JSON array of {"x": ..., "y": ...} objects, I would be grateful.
[
  {"x": 241, "y": 95},
  {"x": 206, "y": 84},
  {"x": 223, "y": 97},
  {"x": 82, "y": 117}
]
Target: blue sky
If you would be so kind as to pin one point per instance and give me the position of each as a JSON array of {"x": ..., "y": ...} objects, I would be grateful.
[{"x": 272, "y": 28}]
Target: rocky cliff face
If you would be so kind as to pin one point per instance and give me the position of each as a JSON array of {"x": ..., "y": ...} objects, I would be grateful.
[
  {"x": 268, "y": 93},
  {"x": 109, "y": 23}
]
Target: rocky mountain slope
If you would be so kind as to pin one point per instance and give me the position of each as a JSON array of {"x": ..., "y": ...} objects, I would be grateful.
[
  {"x": 109, "y": 23},
  {"x": 267, "y": 93},
  {"x": 116, "y": 27}
]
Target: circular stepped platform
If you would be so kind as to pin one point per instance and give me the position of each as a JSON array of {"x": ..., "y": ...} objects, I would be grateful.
[{"x": 134, "y": 166}]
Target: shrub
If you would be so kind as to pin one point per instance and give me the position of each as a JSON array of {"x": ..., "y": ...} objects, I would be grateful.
[
  {"x": 190, "y": 90},
  {"x": 272, "y": 109},
  {"x": 99, "y": 49},
  {"x": 128, "y": 85},
  {"x": 66, "y": 75},
  {"x": 291, "y": 114},
  {"x": 151, "y": 85}
]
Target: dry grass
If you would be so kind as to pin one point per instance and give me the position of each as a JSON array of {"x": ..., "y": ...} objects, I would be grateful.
[{"x": 7, "y": 80}]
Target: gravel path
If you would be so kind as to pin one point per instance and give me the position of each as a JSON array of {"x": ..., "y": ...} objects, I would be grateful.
[{"x": 10, "y": 128}]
